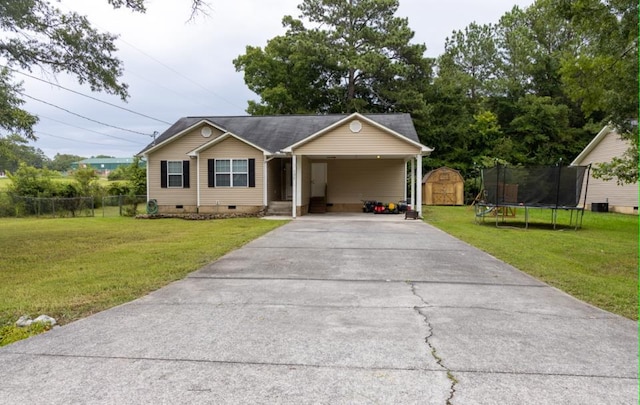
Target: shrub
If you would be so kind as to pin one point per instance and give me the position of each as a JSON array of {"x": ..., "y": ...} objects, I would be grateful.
[
  {"x": 118, "y": 188},
  {"x": 28, "y": 181},
  {"x": 120, "y": 173}
]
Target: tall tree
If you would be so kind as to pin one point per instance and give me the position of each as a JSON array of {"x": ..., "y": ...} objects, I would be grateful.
[
  {"x": 531, "y": 43},
  {"x": 514, "y": 106},
  {"x": 474, "y": 54},
  {"x": 14, "y": 150},
  {"x": 603, "y": 74},
  {"x": 290, "y": 74},
  {"x": 357, "y": 57}
]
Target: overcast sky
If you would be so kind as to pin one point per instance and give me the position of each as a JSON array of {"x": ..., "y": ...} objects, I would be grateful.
[{"x": 176, "y": 68}]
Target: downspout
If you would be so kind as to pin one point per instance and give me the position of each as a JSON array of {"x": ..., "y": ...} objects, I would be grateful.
[{"x": 198, "y": 182}]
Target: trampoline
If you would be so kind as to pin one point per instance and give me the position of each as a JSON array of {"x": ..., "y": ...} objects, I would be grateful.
[{"x": 504, "y": 189}]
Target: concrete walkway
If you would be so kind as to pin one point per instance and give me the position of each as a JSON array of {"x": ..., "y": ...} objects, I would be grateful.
[{"x": 337, "y": 310}]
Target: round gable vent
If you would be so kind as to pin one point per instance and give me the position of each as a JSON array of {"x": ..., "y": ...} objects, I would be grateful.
[
  {"x": 355, "y": 126},
  {"x": 206, "y": 132}
]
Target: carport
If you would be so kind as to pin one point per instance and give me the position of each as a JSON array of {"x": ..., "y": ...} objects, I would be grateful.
[{"x": 354, "y": 160}]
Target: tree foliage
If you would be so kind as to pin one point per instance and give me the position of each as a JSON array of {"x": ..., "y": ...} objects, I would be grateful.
[
  {"x": 86, "y": 179},
  {"x": 15, "y": 150},
  {"x": 356, "y": 56},
  {"x": 552, "y": 74},
  {"x": 135, "y": 176},
  {"x": 603, "y": 75},
  {"x": 533, "y": 88},
  {"x": 61, "y": 162}
]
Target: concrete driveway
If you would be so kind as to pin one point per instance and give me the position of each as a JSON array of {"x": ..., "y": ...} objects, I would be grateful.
[{"x": 334, "y": 309}]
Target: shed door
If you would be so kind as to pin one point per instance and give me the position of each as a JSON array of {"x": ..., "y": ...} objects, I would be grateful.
[
  {"x": 444, "y": 194},
  {"x": 444, "y": 191},
  {"x": 318, "y": 179}
]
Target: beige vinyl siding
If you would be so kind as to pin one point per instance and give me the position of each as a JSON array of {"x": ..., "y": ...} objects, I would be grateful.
[
  {"x": 369, "y": 141},
  {"x": 231, "y": 148},
  {"x": 601, "y": 191},
  {"x": 171, "y": 196},
  {"x": 177, "y": 150},
  {"x": 351, "y": 181}
]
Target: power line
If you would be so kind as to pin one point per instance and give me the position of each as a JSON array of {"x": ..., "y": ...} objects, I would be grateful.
[
  {"x": 72, "y": 140},
  {"x": 82, "y": 116},
  {"x": 87, "y": 96},
  {"x": 88, "y": 130},
  {"x": 181, "y": 75},
  {"x": 156, "y": 84}
]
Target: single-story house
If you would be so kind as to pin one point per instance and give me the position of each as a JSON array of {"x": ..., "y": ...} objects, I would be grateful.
[
  {"x": 245, "y": 163},
  {"x": 606, "y": 145}
]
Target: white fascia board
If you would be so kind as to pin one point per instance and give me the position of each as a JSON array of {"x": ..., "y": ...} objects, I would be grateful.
[
  {"x": 592, "y": 145},
  {"x": 221, "y": 138},
  {"x": 181, "y": 133}
]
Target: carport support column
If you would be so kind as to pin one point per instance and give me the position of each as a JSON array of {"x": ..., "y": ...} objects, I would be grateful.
[
  {"x": 294, "y": 185},
  {"x": 265, "y": 182},
  {"x": 418, "y": 183},
  {"x": 413, "y": 183}
]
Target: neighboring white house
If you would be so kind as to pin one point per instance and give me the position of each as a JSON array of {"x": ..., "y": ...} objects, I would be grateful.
[{"x": 605, "y": 146}]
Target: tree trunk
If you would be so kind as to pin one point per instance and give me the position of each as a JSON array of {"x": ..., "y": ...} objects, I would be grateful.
[{"x": 351, "y": 90}]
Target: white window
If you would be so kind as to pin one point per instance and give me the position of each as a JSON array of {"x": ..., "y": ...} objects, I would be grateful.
[
  {"x": 232, "y": 173},
  {"x": 174, "y": 173}
]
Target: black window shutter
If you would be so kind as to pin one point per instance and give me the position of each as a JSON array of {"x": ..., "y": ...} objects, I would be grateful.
[
  {"x": 252, "y": 172},
  {"x": 163, "y": 173},
  {"x": 211, "y": 169},
  {"x": 185, "y": 174}
]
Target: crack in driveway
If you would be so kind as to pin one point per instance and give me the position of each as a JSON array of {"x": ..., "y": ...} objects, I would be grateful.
[{"x": 439, "y": 360}]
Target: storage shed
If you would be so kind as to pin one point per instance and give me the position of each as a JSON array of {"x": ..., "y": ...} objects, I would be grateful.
[{"x": 443, "y": 186}]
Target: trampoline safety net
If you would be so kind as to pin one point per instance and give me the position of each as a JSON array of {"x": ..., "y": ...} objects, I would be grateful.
[{"x": 538, "y": 186}]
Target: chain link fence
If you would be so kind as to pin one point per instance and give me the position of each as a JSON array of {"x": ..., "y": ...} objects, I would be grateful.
[
  {"x": 57, "y": 207},
  {"x": 123, "y": 205}
]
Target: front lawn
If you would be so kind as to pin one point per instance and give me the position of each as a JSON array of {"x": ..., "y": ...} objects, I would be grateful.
[
  {"x": 71, "y": 268},
  {"x": 597, "y": 264}
]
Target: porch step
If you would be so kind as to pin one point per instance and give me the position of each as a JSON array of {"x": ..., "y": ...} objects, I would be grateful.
[
  {"x": 279, "y": 208},
  {"x": 318, "y": 205}
]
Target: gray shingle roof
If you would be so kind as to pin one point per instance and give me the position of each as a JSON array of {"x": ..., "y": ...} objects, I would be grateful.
[{"x": 276, "y": 132}]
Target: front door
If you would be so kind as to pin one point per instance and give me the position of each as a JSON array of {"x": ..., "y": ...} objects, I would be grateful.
[
  {"x": 318, "y": 179},
  {"x": 287, "y": 181}
]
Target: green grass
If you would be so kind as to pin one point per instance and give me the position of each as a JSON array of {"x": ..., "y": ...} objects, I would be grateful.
[
  {"x": 71, "y": 268},
  {"x": 597, "y": 264},
  {"x": 4, "y": 183}
]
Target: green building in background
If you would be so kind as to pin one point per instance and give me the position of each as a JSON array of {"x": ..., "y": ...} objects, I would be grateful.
[{"x": 105, "y": 165}]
